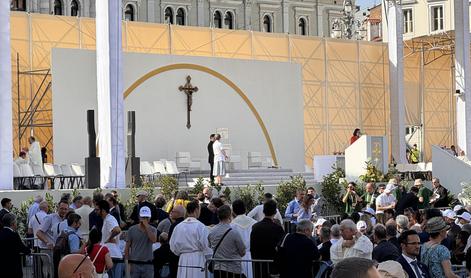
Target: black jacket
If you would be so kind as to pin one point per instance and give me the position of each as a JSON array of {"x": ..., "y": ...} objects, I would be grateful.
[
  {"x": 210, "y": 152},
  {"x": 2, "y": 213},
  {"x": 264, "y": 238},
  {"x": 135, "y": 212},
  {"x": 409, "y": 200},
  {"x": 407, "y": 268},
  {"x": 443, "y": 200},
  {"x": 297, "y": 256},
  {"x": 385, "y": 251},
  {"x": 10, "y": 258}
]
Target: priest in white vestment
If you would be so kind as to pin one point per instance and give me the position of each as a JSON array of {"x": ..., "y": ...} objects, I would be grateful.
[
  {"x": 34, "y": 152},
  {"x": 189, "y": 241},
  {"x": 352, "y": 243},
  {"x": 243, "y": 224}
]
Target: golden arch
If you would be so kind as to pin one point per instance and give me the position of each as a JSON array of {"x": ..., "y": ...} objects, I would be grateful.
[{"x": 221, "y": 77}]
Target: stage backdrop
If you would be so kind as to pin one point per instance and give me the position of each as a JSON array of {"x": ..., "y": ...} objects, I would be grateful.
[{"x": 273, "y": 90}]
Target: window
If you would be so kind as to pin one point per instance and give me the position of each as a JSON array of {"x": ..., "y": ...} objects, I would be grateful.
[
  {"x": 74, "y": 8},
  {"x": 408, "y": 24},
  {"x": 302, "y": 27},
  {"x": 217, "y": 19},
  {"x": 168, "y": 15},
  {"x": 129, "y": 13},
  {"x": 180, "y": 16},
  {"x": 437, "y": 18},
  {"x": 57, "y": 7},
  {"x": 18, "y": 5},
  {"x": 267, "y": 24},
  {"x": 228, "y": 20}
]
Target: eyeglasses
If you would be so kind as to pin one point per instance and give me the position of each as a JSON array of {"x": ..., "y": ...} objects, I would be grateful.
[{"x": 413, "y": 243}]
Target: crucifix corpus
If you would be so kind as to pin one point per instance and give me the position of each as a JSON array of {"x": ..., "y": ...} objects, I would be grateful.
[{"x": 188, "y": 89}]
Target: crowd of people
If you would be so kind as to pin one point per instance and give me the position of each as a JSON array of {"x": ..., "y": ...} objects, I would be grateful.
[{"x": 386, "y": 231}]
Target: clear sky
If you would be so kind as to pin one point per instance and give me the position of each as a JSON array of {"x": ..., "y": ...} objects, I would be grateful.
[{"x": 367, "y": 3}]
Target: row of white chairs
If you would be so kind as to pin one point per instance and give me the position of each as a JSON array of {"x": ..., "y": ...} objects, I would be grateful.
[
  {"x": 28, "y": 176},
  {"x": 411, "y": 169},
  {"x": 151, "y": 170}
]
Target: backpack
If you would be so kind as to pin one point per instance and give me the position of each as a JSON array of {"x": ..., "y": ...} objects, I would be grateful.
[{"x": 62, "y": 248}]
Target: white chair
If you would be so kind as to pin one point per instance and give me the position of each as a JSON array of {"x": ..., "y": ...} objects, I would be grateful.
[
  {"x": 183, "y": 160},
  {"x": 172, "y": 169},
  {"x": 51, "y": 174},
  {"x": 147, "y": 171},
  {"x": 159, "y": 167},
  {"x": 254, "y": 160},
  {"x": 69, "y": 175},
  {"x": 78, "y": 173},
  {"x": 18, "y": 179},
  {"x": 428, "y": 169},
  {"x": 28, "y": 174}
]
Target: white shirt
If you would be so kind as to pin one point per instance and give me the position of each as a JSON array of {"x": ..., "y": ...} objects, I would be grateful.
[
  {"x": 84, "y": 211},
  {"x": 363, "y": 248},
  {"x": 257, "y": 214},
  {"x": 34, "y": 154},
  {"x": 190, "y": 236},
  {"x": 34, "y": 224},
  {"x": 409, "y": 261},
  {"x": 109, "y": 223},
  {"x": 217, "y": 149},
  {"x": 384, "y": 200},
  {"x": 20, "y": 161},
  {"x": 47, "y": 226}
]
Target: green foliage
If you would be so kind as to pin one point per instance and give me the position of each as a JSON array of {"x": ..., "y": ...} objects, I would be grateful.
[
  {"x": 372, "y": 173},
  {"x": 50, "y": 202},
  {"x": 332, "y": 189},
  {"x": 168, "y": 186},
  {"x": 286, "y": 190},
  {"x": 227, "y": 192},
  {"x": 251, "y": 195},
  {"x": 132, "y": 201},
  {"x": 75, "y": 193},
  {"x": 465, "y": 195},
  {"x": 22, "y": 216},
  {"x": 199, "y": 186}
]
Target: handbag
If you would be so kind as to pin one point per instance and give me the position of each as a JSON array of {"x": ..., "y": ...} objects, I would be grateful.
[
  {"x": 211, "y": 263},
  {"x": 104, "y": 274}
]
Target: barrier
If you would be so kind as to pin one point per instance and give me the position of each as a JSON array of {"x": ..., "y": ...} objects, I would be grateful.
[
  {"x": 37, "y": 265},
  {"x": 460, "y": 270},
  {"x": 249, "y": 268}
]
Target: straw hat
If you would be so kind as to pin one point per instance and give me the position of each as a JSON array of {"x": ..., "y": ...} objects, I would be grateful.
[
  {"x": 391, "y": 269},
  {"x": 435, "y": 225}
]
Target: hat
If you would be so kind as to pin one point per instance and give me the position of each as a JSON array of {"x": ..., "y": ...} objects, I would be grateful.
[
  {"x": 142, "y": 193},
  {"x": 466, "y": 216},
  {"x": 361, "y": 225},
  {"x": 418, "y": 182},
  {"x": 392, "y": 181},
  {"x": 320, "y": 222},
  {"x": 457, "y": 208},
  {"x": 369, "y": 211},
  {"x": 435, "y": 225},
  {"x": 449, "y": 214},
  {"x": 145, "y": 212},
  {"x": 391, "y": 269},
  {"x": 389, "y": 188}
]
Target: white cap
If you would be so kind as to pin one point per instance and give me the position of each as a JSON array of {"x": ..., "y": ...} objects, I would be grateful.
[
  {"x": 145, "y": 212},
  {"x": 320, "y": 222},
  {"x": 361, "y": 225},
  {"x": 466, "y": 216},
  {"x": 449, "y": 214},
  {"x": 457, "y": 208},
  {"x": 369, "y": 211},
  {"x": 389, "y": 188}
]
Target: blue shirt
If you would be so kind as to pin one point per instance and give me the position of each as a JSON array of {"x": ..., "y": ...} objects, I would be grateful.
[
  {"x": 74, "y": 239},
  {"x": 293, "y": 208},
  {"x": 33, "y": 210}
]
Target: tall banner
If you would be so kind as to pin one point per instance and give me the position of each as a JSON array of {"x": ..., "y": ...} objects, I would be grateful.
[
  {"x": 110, "y": 94},
  {"x": 6, "y": 139}
]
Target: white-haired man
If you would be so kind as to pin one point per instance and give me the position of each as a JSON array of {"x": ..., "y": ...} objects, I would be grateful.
[{"x": 352, "y": 243}]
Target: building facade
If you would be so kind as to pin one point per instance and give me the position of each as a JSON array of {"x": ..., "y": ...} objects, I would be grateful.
[{"x": 301, "y": 17}]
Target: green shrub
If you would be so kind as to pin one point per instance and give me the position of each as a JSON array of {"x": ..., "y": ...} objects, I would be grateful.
[
  {"x": 132, "y": 201},
  {"x": 251, "y": 195},
  {"x": 286, "y": 191},
  {"x": 332, "y": 191},
  {"x": 199, "y": 186},
  {"x": 168, "y": 186},
  {"x": 22, "y": 216},
  {"x": 227, "y": 192}
]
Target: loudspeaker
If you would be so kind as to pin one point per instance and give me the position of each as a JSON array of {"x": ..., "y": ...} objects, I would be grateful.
[
  {"x": 131, "y": 134},
  {"x": 133, "y": 171},
  {"x": 91, "y": 133}
]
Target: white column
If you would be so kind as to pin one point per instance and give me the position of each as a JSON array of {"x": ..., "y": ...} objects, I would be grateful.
[
  {"x": 6, "y": 139},
  {"x": 396, "y": 81},
  {"x": 462, "y": 75},
  {"x": 110, "y": 93},
  {"x": 285, "y": 9}
]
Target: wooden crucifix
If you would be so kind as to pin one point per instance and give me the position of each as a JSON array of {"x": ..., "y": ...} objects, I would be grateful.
[{"x": 188, "y": 89}]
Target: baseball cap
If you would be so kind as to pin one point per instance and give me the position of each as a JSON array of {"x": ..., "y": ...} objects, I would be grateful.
[
  {"x": 369, "y": 211},
  {"x": 145, "y": 212},
  {"x": 457, "y": 208},
  {"x": 449, "y": 214},
  {"x": 320, "y": 222},
  {"x": 389, "y": 188},
  {"x": 466, "y": 216},
  {"x": 361, "y": 225},
  {"x": 142, "y": 193}
]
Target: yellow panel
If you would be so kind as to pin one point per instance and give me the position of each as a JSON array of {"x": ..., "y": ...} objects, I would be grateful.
[
  {"x": 270, "y": 47},
  {"x": 232, "y": 44},
  {"x": 192, "y": 41},
  {"x": 146, "y": 38},
  {"x": 307, "y": 48},
  {"x": 87, "y": 33}
]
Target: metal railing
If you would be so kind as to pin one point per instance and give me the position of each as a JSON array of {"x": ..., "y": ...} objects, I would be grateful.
[
  {"x": 227, "y": 268},
  {"x": 460, "y": 270},
  {"x": 37, "y": 265}
]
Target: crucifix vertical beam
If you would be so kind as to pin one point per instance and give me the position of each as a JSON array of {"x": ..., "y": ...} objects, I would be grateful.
[
  {"x": 110, "y": 94},
  {"x": 6, "y": 125},
  {"x": 188, "y": 89}
]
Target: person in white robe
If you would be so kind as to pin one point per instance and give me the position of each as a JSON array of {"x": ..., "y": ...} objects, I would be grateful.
[
  {"x": 243, "y": 224},
  {"x": 189, "y": 241},
  {"x": 257, "y": 212},
  {"x": 34, "y": 152},
  {"x": 352, "y": 243}
]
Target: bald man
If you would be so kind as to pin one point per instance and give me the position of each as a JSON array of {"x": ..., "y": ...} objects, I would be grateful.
[{"x": 76, "y": 266}]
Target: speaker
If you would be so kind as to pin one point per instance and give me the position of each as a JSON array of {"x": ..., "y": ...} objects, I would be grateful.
[
  {"x": 91, "y": 133},
  {"x": 131, "y": 134},
  {"x": 133, "y": 171},
  {"x": 92, "y": 172}
]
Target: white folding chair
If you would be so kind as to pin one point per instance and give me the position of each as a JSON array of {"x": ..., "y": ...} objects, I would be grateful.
[
  {"x": 28, "y": 174},
  {"x": 78, "y": 173},
  {"x": 147, "y": 170},
  {"x": 183, "y": 160},
  {"x": 172, "y": 169},
  {"x": 18, "y": 179},
  {"x": 68, "y": 174},
  {"x": 254, "y": 160},
  {"x": 51, "y": 174},
  {"x": 159, "y": 167}
]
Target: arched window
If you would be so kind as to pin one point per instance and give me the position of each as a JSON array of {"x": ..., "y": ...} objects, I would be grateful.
[
  {"x": 168, "y": 15},
  {"x": 267, "y": 24},
  {"x": 74, "y": 8},
  {"x": 129, "y": 13},
  {"x": 57, "y": 7},
  {"x": 229, "y": 20},
  {"x": 18, "y": 5},
  {"x": 217, "y": 19},
  {"x": 180, "y": 16},
  {"x": 302, "y": 27}
]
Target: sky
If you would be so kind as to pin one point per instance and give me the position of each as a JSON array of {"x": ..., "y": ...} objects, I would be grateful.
[{"x": 366, "y": 3}]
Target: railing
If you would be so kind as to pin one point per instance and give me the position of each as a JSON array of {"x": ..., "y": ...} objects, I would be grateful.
[
  {"x": 38, "y": 265},
  {"x": 460, "y": 270},
  {"x": 249, "y": 268}
]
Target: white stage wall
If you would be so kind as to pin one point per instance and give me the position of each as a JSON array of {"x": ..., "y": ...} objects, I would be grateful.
[{"x": 274, "y": 88}]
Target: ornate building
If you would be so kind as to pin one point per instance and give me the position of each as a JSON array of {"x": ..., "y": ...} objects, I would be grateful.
[{"x": 301, "y": 17}]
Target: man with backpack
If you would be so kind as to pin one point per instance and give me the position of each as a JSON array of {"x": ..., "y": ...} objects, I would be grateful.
[{"x": 68, "y": 241}]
